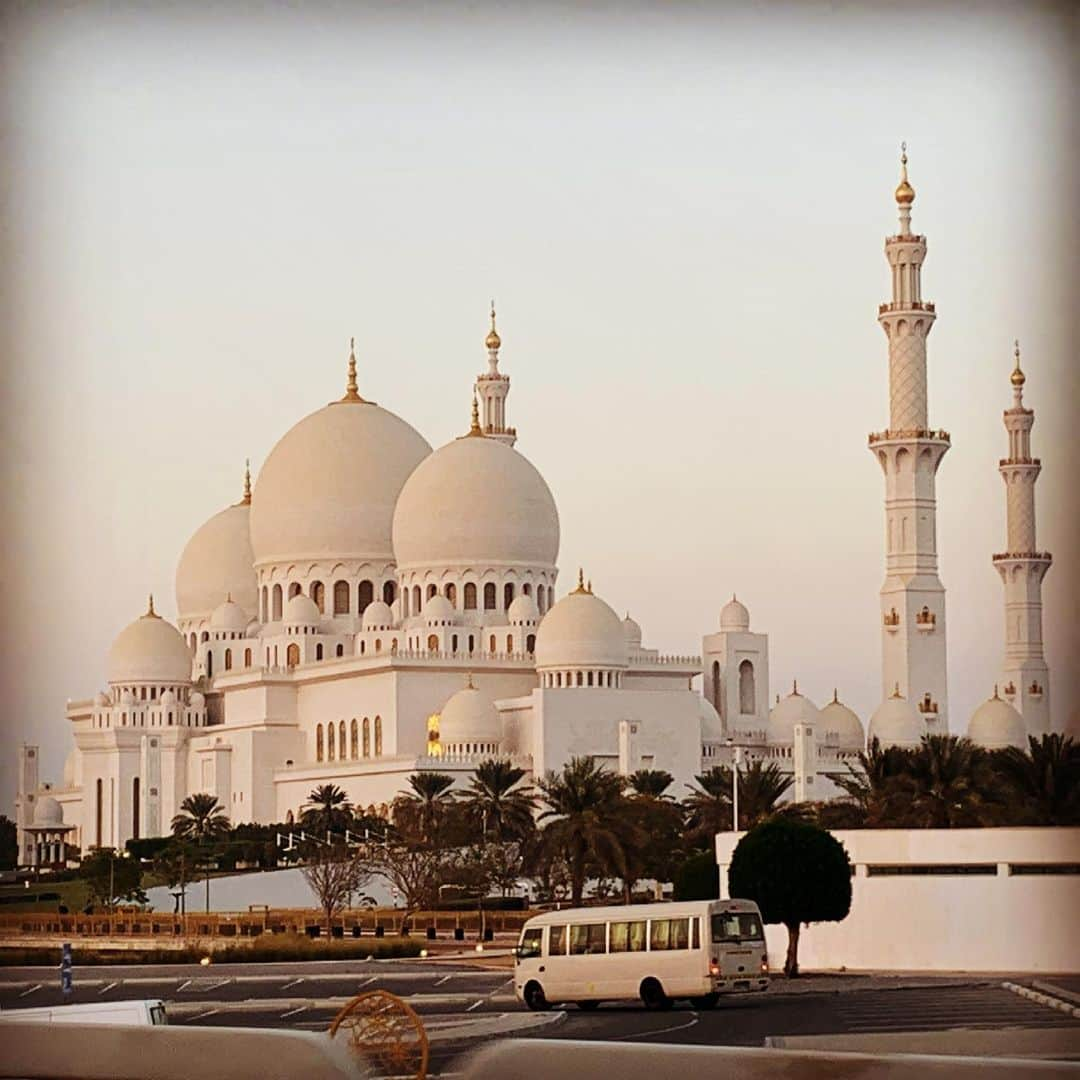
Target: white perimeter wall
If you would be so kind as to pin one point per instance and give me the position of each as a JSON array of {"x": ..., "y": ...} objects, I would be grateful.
[{"x": 946, "y": 921}]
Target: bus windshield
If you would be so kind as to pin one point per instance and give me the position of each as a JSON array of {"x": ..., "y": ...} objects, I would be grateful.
[{"x": 737, "y": 926}]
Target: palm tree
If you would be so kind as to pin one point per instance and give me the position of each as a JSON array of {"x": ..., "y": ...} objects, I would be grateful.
[
  {"x": 761, "y": 787},
  {"x": 587, "y": 824},
  {"x": 708, "y": 806},
  {"x": 328, "y": 808},
  {"x": 651, "y": 782},
  {"x": 1044, "y": 780},
  {"x": 949, "y": 782},
  {"x": 201, "y": 818},
  {"x": 495, "y": 804},
  {"x": 427, "y": 805},
  {"x": 874, "y": 786}
]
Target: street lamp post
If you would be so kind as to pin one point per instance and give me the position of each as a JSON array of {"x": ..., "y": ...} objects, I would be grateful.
[{"x": 736, "y": 761}]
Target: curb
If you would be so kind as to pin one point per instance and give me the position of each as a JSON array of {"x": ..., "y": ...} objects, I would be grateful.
[
  {"x": 1066, "y": 1007},
  {"x": 1056, "y": 991}
]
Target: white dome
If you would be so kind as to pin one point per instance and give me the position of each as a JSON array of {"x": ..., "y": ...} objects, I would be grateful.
[
  {"x": 469, "y": 717},
  {"x": 197, "y": 700},
  {"x": 896, "y": 723},
  {"x": 792, "y": 710},
  {"x": 48, "y": 811},
  {"x": 101, "y": 699},
  {"x": 301, "y": 610},
  {"x": 216, "y": 562},
  {"x": 253, "y": 629},
  {"x": 329, "y": 486},
  {"x": 149, "y": 650},
  {"x": 712, "y": 728},
  {"x": 229, "y": 616},
  {"x": 632, "y": 630},
  {"x": 439, "y": 610},
  {"x": 378, "y": 616},
  {"x": 127, "y": 698},
  {"x": 734, "y": 616},
  {"x": 837, "y": 717},
  {"x": 476, "y": 502},
  {"x": 168, "y": 698},
  {"x": 995, "y": 724},
  {"x": 523, "y": 610},
  {"x": 581, "y": 631}
]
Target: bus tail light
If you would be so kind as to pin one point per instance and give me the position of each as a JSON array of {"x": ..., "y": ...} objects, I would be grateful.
[
  {"x": 764, "y": 965},
  {"x": 714, "y": 968}
]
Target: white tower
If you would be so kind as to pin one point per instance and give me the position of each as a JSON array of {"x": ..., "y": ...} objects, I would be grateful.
[
  {"x": 1025, "y": 678},
  {"x": 492, "y": 389},
  {"x": 736, "y": 682},
  {"x": 912, "y": 596}
]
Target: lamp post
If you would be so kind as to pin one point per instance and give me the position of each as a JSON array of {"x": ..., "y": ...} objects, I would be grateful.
[{"x": 736, "y": 761}]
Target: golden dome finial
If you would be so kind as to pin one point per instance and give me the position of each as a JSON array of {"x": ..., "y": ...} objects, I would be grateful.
[
  {"x": 580, "y": 581},
  {"x": 352, "y": 393},
  {"x": 896, "y": 691},
  {"x": 468, "y": 681},
  {"x": 588, "y": 586},
  {"x": 1017, "y": 378},
  {"x": 246, "y": 500},
  {"x": 995, "y": 698},
  {"x": 150, "y": 606},
  {"x": 905, "y": 193},
  {"x": 795, "y": 686},
  {"x": 474, "y": 428},
  {"x": 493, "y": 341},
  {"x": 835, "y": 696}
]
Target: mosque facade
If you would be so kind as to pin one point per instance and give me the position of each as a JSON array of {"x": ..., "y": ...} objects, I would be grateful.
[{"x": 372, "y": 608}]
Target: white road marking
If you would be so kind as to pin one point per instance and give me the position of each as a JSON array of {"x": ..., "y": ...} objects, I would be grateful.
[
  {"x": 439, "y": 982},
  {"x": 475, "y": 1005},
  {"x": 662, "y": 1031},
  {"x": 106, "y": 989},
  {"x": 295, "y": 982},
  {"x": 218, "y": 985},
  {"x": 292, "y": 1012},
  {"x": 369, "y": 980},
  {"x": 31, "y": 990},
  {"x": 202, "y": 1016},
  {"x": 186, "y": 982}
]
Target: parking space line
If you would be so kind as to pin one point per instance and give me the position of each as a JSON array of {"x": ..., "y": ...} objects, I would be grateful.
[
  {"x": 295, "y": 982},
  {"x": 292, "y": 1012},
  {"x": 475, "y": 1005},
  {"x": 106, "y": 989},
  {"x": 202, "y": 1016},
  {"x": 439, "y": 982},
  {"x": 31, "y": 990}
]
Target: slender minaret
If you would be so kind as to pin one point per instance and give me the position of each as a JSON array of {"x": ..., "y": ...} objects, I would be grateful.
[
  {"x": 1025, "y": 678},
  {"x": 912, "y": 596},
  {"x": 492, "y": 388}
]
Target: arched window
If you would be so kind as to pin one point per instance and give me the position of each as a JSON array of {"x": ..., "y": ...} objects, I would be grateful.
[
  {"x": 432, "y": 643},
  {"x": 472, "y": 644},
  {"x": 341, "y": 739},
  {"x": 378, "y": 645},
  {"x": 393, "y": 646},
  {"x": 228, "y": 659},
  {"x": 416, "y": 599},
  {"x": 247, "y": 658},
  {"x": 331, "y": 742},
  {"x": 578, "y": 679},
  {"x": 489, "y": 596},
  {"x": 453, "y": 643},
  {"x": 289, "y": 819},
  {"x": 558, "y": 679},
  {"x": 389, "y": 593},
  {"x": 319, "y": 743},
  {"x": 491, "y": 644},
  {"x": 318, "y": 651},
  {"x": 276, "y": 607},
  {"x": 530, "y": 643},
  {"x": 470, "y": 596},
  {"x": 264, "y": 602},
  {"x": 451, "y": 593},
  {"x": 508, "y": 595},
  {"x": 135, "y": 808},
  {"x": 747, "y": 704},
  {"x": 204, "y": 637},
  {"x": 509, "y": 644},
  {"x": 367, "y": 737},
  {"x": 378, "y": 736},
  {"x": 294, "y": 589},
  {"x": 341, "y": 598},
  {"x": 98, "y": 812},
  {"x": 716, "y": 697},
  {"x": 432, "y": 590},
  {"x": 527, "y": 589},
  {"x": 365, "y": 593},
  {"x": 209, "y": 667},
  {"x": 317, "y": 591},
  {"x": 551, "y": 595},
  {"x": 590, "y": 679},
  {"x": 340, "y": 650},
  {"x": 541, "y": 602},
  {"x": 292, "y": 655},
  {"x": 354, "y": 739}
]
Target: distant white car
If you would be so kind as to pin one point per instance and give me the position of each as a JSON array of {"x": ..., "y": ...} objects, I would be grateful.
[{"x": 130, "y": 1013}]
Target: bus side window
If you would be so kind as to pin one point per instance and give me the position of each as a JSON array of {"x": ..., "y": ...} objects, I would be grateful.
[
  {"x": 557, "y": 941},
  {"x": 659, "y": 935},
  {"x": 680, "y": 934},
  {"x": 587, "y": 939},
  {"x": 695, "y": 933}
]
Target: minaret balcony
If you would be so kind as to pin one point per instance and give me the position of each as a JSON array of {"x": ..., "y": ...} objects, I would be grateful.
[
  {"x": 1035, "y": 691},
  {"x": 891, "y": 621},
  {"x": 1031, "y": 461},
  {"x": 908, "y": 434},
  {"x": 906, "y": 305},
  {"x": 1009, "y": 690},
  {"x": 925, "y": 621},
  {"x": 1023, "y": 556},
  {"x": 927, "y": 706}
]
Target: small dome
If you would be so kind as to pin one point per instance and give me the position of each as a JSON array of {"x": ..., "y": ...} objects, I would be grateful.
[
  {"x": 712, "y": 729},
  {"x": 197, "y": 700},
  {"x": 792, "y": 710},
  {"x": 217, "y": 561},
  {"x": 229, "y": 616},
  {"x": 168, "y": 698},
  {"x": 48, "y": 811},
  {"x": 836, "y": 717},
  {"x": 632, "y": 631},
  {"x": 253, "y": 628},
  {"x": 101, "y": 699},
  {"x": 995, "y": 724},
  {"x": 734, "y": 616},
  {"x": 581, "y": 631},
  {"x": 523, "y": 610},
  {"x": 377, "y": 616},
  {"x": 469, "y": 716},
  {"x": 439, "y": 610},
  {"x": 896, "y": 723},
  {"x": 301, "y": 610},
  {"x": 149, "y": 650}
]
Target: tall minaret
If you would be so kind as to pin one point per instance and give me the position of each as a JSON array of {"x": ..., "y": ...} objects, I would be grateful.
[
  {"x": 492, "y": 388},
  {"x": 1025, "y": 678},
  {"x": 912, "y": 596}
]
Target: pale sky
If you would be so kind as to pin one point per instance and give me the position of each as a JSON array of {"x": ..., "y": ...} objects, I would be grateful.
[{"x": 680, "y": 210}]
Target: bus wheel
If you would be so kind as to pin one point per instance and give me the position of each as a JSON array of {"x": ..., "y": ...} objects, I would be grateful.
[
  {"x": 534, "y": 997},
  {"x": 653, "y": 996},
  {"x": 587, "y": 1006},
  {"x": 706, "y": 1001}
]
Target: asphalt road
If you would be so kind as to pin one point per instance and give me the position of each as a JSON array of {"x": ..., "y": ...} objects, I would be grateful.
[{"x": 308, "y": 996}]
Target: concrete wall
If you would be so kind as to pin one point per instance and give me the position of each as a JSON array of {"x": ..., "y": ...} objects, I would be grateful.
[{"x": 943, "y": 917}]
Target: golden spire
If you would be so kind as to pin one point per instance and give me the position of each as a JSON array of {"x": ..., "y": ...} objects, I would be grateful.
[
  {"x": 352, "y": 393},
  {"x": 246, "y": 500},
  {"x": 795, "y": 686},
  {"x": 493, "y": 341},
  {"x": 475, "y": 428},
  {"x": 905, "y": 193},
  {"x": 995, "y": 692},
  {"x": 896, "y": 691},
  {"x": 580, "y": 582},
  {"x": 150, "y": 607},
  {"x": 1017, "y": 378},
  {"x": 588, "y": 587},
  {"x": 228, "y": 597},
  {"x": 835, "y": 697},
  {"x": 469, "y": 682}
]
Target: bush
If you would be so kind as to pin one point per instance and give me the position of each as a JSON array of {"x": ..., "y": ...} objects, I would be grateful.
[
  {"x": 148, "y": 847},
  {"x": 698, "y": 878}
]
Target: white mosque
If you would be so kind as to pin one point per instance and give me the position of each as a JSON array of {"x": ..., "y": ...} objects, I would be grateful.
[{"x": 374, "y": 608}]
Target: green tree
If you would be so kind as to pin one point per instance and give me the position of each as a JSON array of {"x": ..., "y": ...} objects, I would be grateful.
[
  {"x": 425, "y": 809},
  {"x": 652, "y": 783},
  {"x": 334, "y": 873},
  {"x": 796, "y": 873},
  {"x": 586, "y": 820},
  {"x": 708, "y": 806},
  {"x": 496, "y": 804},
  {"x": 201, "y": 818},
  {"x": 948, "y": 783},
  {"x": 657, "y": 823},
  {"x": 9, "y": 844},
  {"x": 761, "y": 787},
  {"x": 328, "y": 810},
  {"x": 112, "y": 877},
  {"x": 1042, "y": 782},
  {"x": 874, "y": 785},
  {"x": 697, "y": 878}
]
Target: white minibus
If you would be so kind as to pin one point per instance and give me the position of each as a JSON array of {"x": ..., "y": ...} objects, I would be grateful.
[
  {"x": 130, "y": 1013},
  {"x": 656, "y": 952}
]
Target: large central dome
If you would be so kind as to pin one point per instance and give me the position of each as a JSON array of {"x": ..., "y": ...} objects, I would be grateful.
[{"x": 329, "y": 486}]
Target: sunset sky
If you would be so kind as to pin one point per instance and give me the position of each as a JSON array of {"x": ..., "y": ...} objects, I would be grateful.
[{"x": 680, "y": 211}]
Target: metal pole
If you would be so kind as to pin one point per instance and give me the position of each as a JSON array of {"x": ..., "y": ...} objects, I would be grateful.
[{"x": 735, "y": 789}]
